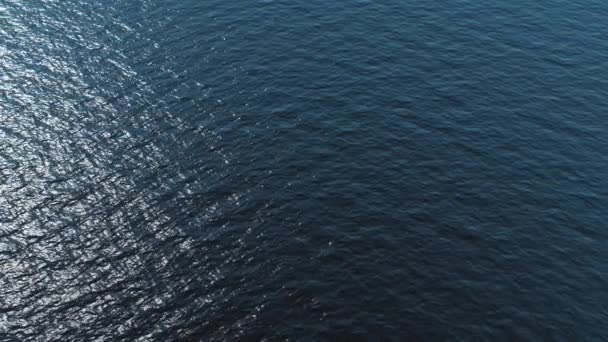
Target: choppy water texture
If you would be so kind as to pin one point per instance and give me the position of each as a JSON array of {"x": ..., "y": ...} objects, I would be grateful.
[{"x": 224, "y": 170}]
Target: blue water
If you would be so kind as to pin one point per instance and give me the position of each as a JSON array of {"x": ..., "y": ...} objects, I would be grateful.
[{"x": 303, "y": 170}]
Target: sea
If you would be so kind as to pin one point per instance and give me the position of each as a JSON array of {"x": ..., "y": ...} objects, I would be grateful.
[{"x": 303, "y": 170}]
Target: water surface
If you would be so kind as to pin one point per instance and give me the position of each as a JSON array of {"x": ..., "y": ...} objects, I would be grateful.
[{"x": 293, "y": 170}]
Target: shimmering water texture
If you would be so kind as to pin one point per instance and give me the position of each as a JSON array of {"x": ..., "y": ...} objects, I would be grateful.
[{"x": 303, "y": 170}]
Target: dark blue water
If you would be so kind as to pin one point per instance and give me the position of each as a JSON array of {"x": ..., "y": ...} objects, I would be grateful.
[{"x": 303, "y": 170}]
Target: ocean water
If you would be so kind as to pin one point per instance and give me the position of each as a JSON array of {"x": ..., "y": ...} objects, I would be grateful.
[{"x": 303, "y": 170}]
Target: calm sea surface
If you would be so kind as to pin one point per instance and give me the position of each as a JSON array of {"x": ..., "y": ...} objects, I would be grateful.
[{"x": 226, "y": 170}]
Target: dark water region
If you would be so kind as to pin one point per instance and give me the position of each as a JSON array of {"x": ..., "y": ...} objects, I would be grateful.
[{"x": 303, "y": 170}]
